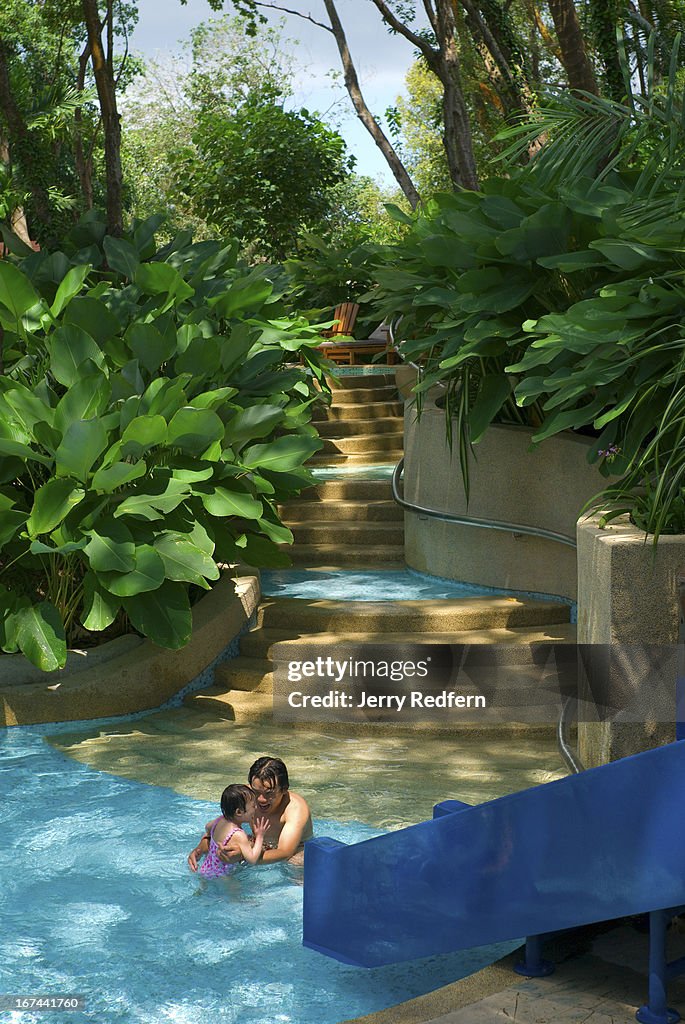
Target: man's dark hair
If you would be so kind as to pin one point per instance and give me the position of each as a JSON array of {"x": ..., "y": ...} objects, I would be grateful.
[
  {"x": 270, "y": 769},
  {"x": 235, "y": 798}
]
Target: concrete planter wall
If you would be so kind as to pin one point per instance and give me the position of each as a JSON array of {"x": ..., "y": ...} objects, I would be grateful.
[
  {"x": 545, "y": 487},
  {"x": 628, "y": 602},
  {"x": 128, "y": 674}
]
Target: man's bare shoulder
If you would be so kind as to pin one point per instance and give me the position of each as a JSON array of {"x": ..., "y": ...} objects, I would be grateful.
[{"x": 297, "y": 809}]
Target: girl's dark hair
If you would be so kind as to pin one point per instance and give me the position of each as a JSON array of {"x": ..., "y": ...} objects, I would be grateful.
[
  {"x": 235, "y": 798},
  {"x": 270, "y": 769}
]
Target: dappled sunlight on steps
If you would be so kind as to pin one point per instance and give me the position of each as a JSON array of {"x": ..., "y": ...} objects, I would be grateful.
[{"x": 349, "y": 523}]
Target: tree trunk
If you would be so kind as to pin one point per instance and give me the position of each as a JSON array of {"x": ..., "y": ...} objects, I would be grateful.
[
  {"x": 106, "y": 88},
  {"x": 501, "y": 55},
  {"x": 83, "y": 163},
  {"x": 364, "y": 114},
  {"x": 581, "y": 76},
  {"x": 457, "y": 139}
]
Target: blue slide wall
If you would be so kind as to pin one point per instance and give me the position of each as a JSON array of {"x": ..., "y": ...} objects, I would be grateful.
[{"x": 603, "y": 844}]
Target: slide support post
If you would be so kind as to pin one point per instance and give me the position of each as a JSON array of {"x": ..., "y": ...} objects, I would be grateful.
[{"x": 533, "y": 965}]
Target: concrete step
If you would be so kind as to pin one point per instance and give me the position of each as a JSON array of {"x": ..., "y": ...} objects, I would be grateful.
[
  {"x": 266, "y": 643},
  {"x": 364, "y": 395},
  {"x": 354, "y": 534},
  {"x": 341, "y": 511},
  {"x": 363, "y": 411},
  {"x": 364, "y": 381},
  {"x": 392, "y": 442},
  {"x": 347, "y": 428},
  {"x": 414, "y": 616},
  {"x": 337, "y": 556},
  {"x": 246, "y": 673},
  {"x": 234, "y": 706},
  {"x": 371, "y": 458},
  {"x": 347, "y": 490}
]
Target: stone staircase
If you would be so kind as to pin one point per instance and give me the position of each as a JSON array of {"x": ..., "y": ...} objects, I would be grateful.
[
  {"x": 363, "y": 425},
  {"x": 354, "y": 523}
]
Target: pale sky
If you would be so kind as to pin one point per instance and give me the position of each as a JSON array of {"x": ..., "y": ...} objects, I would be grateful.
[{"x": 382, "y": 60}]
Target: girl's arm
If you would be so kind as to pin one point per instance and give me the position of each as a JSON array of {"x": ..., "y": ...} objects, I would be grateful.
[{"x": 251, "y": 853}]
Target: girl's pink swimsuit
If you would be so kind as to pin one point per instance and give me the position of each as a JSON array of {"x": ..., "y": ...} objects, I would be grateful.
[{"x": 212, "y": 866}]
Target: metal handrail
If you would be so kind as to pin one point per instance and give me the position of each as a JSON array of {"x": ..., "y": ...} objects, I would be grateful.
[
  {"x": 486, "y": 524},
  {"x": 568, "y": 754}
]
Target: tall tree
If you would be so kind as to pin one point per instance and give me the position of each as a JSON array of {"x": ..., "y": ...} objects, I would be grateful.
[
  {"x": 103, "y": 71},
  {"x": 574, "y": 56}
]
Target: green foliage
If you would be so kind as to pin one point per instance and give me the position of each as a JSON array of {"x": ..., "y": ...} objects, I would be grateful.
[
  {"x": 472, "y": 269},
  {"x": 152, "y": 417},
  {"x": 261, "y": 172},
  {"x": 556, "y": 295}
]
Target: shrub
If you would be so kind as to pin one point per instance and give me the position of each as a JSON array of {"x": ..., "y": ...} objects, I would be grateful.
[{"x": 151, "y": 419}]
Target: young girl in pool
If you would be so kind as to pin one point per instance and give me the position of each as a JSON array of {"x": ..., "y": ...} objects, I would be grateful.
[{"x": 238, "y": 807}]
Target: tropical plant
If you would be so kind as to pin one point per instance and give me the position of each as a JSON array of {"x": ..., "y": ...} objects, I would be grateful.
[
  {"x": 615, "y": 360},
  {"x": 152, "y": 416},
  {"x": 473, "y": 268}
]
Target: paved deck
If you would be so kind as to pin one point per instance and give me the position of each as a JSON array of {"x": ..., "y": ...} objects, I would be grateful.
[{"x": 601, "y": 978}]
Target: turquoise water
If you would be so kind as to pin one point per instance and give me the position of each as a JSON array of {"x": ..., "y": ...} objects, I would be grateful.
[
  {"x": 97, "y": 901},
  {"x": 379, "y": 585},
  {"x": 381, "y": 471}
]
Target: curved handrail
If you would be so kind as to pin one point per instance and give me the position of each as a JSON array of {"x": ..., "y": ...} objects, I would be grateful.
[
  {"x": 568, "y": 754},
  {"x": 487, "y": 524}
]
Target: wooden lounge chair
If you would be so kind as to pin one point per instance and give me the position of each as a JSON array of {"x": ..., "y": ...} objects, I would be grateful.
[{"x": 343, "y": 349}]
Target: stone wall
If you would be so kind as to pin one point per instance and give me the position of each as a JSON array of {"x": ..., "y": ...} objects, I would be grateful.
[
  {"x": 628, "y": 608},
  {"x": 544, "y": 487},
  {"x": 129, "y": 674}
]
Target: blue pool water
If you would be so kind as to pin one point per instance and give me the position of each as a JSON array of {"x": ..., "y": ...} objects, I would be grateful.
[
  {"x": 97, "y": 901},
  {"x": 378, "y": 585}
]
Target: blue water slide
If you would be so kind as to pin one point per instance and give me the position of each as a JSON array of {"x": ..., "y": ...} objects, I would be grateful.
[{"x": 603, "y": 844}]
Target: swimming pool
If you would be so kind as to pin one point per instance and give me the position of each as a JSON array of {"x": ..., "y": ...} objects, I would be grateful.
[
  {"x": 379, "y": 585},
  {"x": 97, "y": 901}
]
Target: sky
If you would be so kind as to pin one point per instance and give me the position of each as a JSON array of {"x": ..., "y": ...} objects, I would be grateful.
[{"x": 382, "y": 61}]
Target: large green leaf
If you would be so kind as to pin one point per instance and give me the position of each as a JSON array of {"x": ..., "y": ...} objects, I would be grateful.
[
  {"x": 108, "y": 478},
  {"x": 11, "y": 521},
  {"x": 148, "y": 505},
  {"x": 69, "y": 287},
  {"x": 283, "y": 454},
  {"x": 86, "y": 400},
  {"x": 222, "y": 501},
  {"x": 38, "y": 632},
  {"x": 93, "y": 317},
  {"x": 111, "y": 547},
  {"x": 248, "y": 293},
  {"x": 252, "y": 423},
  {"x": 162, "y": 615},
  {"x": 194, "y": 430},
  {"x": 121, "y": 256},
  {"x": 16, "y": 291},
  {"x": 83, "y": 442},
  {"x": 51, "y": 504},
  {"x": 99, "y": 607},
  {"x": 147, "y": 575},
  {"x": 142, "y": 433},
  {"x": 160, "y": 278},
  {"x": 22, "y": 451},
  {"x": 184, "y": 561},
  {"x": 150, "y": 348},
  {"x": 69, "y": 347}
]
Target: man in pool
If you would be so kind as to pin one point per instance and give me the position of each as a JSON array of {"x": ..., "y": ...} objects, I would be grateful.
[{"x": 290, "y": 821}]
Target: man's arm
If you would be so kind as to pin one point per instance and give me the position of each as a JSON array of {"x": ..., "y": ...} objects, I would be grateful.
[{"x": 199, "y": 851}]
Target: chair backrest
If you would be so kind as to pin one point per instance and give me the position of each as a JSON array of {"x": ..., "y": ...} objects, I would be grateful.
[{"x": 346, "y": 315}]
